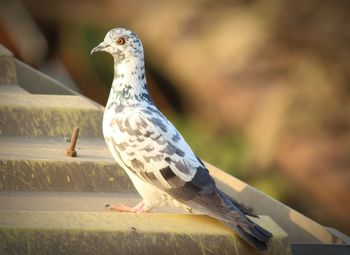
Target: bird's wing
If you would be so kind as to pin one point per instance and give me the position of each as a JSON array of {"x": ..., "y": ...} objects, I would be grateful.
[{"x": 151, "y": 147}]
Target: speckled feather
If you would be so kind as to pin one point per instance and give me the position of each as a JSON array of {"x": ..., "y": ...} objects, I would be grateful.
[{"x": 161, "y": 165}]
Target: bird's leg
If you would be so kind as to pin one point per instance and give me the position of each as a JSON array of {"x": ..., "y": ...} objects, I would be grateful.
[{"x": 139, "y": 208}]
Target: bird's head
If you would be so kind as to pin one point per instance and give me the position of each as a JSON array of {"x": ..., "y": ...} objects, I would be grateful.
[{"x": 121, "y": 44}]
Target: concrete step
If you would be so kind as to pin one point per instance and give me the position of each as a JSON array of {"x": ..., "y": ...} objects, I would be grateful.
[
  {"x": 14, "y": 89},
  {"x": 38, "y": 232},
  {"x": 66, "y": 232},
  {"x": 78, "y": 223},
  {"x": 53, "y": 148},
  {"x": 27, "y": 114},
  {"x": 7, "y": 67},
  {"x": 39, "y": 164},
  {"x": 70, "y": 201}
]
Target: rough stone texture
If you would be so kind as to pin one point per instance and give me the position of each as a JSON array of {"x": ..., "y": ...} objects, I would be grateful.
[
  {"x": 51, "y": 175},
  {"x": 70, "y": 201},
  {"x": 39, "y": 164},
  {"x": 38, "y": 121},
  {"x": 7, "y": 67},
  {"x": 27, "y": 114},
  {"x": 53, "y": 148},
  {"x": 39, "y": 115},
  {"x": 117, "y": 233}
]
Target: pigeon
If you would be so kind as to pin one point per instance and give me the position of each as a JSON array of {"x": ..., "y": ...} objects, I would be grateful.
[{"x": 161, "y": 165}]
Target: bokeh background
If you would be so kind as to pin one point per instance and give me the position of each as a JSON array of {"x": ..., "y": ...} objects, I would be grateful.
[{"x": 259, "y": 88}]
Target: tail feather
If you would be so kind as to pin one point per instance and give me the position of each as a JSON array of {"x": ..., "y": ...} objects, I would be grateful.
[
  {"x": 261, "y": 233},
  {"x": 250, "y": 239},
  {"x": 230, "y": 201},
  {"x": 252, "y": 233},
  {"x": 255, "y": 230}
]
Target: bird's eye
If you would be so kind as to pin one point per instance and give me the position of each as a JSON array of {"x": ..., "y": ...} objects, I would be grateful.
[{"x": 121, "y": 41}]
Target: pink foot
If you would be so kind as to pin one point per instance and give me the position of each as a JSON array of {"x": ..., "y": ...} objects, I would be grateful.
[{"x": 139, "y": 208}]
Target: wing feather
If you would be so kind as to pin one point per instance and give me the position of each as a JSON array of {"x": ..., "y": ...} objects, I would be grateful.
[{"x": 150, "y": 145}]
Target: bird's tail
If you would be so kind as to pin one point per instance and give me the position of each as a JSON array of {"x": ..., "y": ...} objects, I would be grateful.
[
  {"x": 251, "y": 232},
  {"x": 254, "y": 235}
]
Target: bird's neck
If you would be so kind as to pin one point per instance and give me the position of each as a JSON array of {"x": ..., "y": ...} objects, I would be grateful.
[{"x": 129, "y": 85}]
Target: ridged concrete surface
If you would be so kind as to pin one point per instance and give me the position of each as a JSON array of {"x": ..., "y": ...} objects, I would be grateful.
[
  {"x": 39, "y": 164},
  {"x": 7, "y": 67},
  {"x": 70, "y": 201},
  {"x": 48, "y": 115},
  {"x": 38, "y": 232}
]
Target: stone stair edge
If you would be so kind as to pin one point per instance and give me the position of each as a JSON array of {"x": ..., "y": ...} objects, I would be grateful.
[
  {"x": 36, "y": 175},
  {"x": 49, "y": 121},
  {"x": 199, "y": 229},
  {"x": 26, "y": 100}
]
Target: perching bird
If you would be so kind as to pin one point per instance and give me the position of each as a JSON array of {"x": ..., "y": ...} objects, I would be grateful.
[{"x": 159, "y": 162}]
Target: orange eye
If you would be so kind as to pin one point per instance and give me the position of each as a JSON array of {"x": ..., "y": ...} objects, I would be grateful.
[{"x": 121, "y": 41}]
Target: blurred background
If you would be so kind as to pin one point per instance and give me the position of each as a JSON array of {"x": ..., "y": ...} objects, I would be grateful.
[{"x": 259, "y": 88}]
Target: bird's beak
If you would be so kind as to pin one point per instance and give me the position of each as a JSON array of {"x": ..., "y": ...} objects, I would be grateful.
[{"x": 101, "y": 47}]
